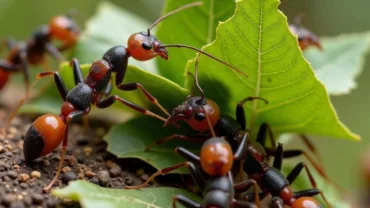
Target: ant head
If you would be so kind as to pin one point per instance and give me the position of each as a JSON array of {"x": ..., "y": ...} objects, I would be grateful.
[
  {"x": 306, "y": 202},
  {"x": 64, "y": 29},
  {"x": 193, "y": 111},
  {"x": 216, "y": 157},
  {"x": 143, "y": 46}
]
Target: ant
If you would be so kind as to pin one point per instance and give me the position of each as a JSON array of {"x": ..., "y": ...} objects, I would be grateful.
[
  {"x": 306, "y": 38},
  {"x": 211, "y": 173},
  {"x": 20, "y": 55},
  {"x": 194, "y": 110},
  {"x": 272, "y": 181},
  {"x": 48, "y": 131}
]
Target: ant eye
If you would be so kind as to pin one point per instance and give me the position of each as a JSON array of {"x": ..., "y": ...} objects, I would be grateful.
[
  {"x": 199, "y": 116},
  {"x": 147, "y": 46}
]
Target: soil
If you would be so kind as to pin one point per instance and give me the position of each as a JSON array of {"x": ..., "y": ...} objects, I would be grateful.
[{"x": 21, "y": 184}]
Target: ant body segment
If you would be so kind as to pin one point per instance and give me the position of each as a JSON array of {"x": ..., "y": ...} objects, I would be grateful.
[
  {"x": 272, "y": 181},
  {"x": 48, "y": 131},
  {"x": 20, "y": 55}
]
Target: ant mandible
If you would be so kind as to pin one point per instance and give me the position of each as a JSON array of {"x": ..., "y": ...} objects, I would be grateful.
[
  {"x": 306, "y": 38},
  {"x": 61, "y": 28},
  {"x": 272, "y": 181},
  {"x": 215, "y": 160},
  {"x": 48, "y": 131}
]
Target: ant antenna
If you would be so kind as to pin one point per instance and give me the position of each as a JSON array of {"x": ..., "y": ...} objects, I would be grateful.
[
  {"x": 193, "y": 88},
  {"x": 198, "y": 3},
  {"x": 196, "y": 78},
  {"x": 209, "y": 123},
  {"x": 207, "y": 54}
]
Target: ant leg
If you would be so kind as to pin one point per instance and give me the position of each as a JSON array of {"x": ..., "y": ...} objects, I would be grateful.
[
  {"x": 261, "y": 136},
  {"x": 159, "y": 172},
  {"x": 54, "y": 51},
  {"x": 77, "y": 72},
  {"x": 240, "y": 114},
  {"x": 185, "y": 201},
  {"x": 278, "y": 159},
  {"x": 59, "y": 83},
  {"x": 71, "y": 117},
  {"x": 150, "y": 97},
  {"x": 105, "y": 103},
  {"x": 188, "y": 155},
  {"x": 308, "y": 192},
  {"x": 277, "y": 202},
  {"x": 245, "y": 186},
  {"x": 197, "y": 175},
  {"x": 239, "y": 152},
  {"x": 61, "y": 160},
  {"x": 242, "y": 204},
  {"x": 175, "y": 136},
  {"x": 295, "y": 172}
]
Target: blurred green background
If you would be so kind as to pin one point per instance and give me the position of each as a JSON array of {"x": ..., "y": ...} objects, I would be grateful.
[{"x": 19, "y": 18}]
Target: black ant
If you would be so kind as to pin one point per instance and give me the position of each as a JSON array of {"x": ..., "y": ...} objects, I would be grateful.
[
  {"x": 211, "y": 173},
  {"x": 195, "y": 109},
  {"x": 306, "y": 38},
  {"x": 61, "y": 28},
  {"x": 48, "y": 131},
  {"x": 272, "y": 181}
]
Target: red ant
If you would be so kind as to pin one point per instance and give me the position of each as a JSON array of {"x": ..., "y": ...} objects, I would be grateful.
[
  {"x": 33, "y": 51},
  {"x": 48, "y": 131},
  {"x": 272, "y": 181},
  {"x": 306, "y": 38},
  {"x": 215, "y": 160}
]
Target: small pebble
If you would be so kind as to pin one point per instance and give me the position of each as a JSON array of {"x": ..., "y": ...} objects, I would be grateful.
[
  {"x": 17, "y": 204},
  {"x": 45, "y": 162},
  {"x": 8, "y": 147},
  {"x": 9, "y": 154},
  {"x": 27, "y": 200},
  {"x": 72, "y": 160},
  {"x": 81, "y": 159},
  {"x": 51, "y": 202},
  {"x": 115, "y": 171},
  {"x": 67, "y": 177},
  {"x": 24, "y": 185},
  {"x": 24, "y": 177},
  {"x": 18, "y": 161},
  {"x": 88, "y": 151},
  {"x": 2, "y": 149},
  {"x": 8, "y": 198},
  {"x": 103, "y": 177},
  {"x": 15, "y": 183},
  {"x": 129, "y": 181},
  {"x": 16, "y": 167},
  {"x": 89, "y": 174},
  {"x": 35, "y": 174},
  {"x": 37, "y": 198},
  {"x": 66, "y": 169},
  {"x": 144, "y": 177},
  {"x": 95, "y": 180},
  {"x": 140, "y": 172},
  {"x": 12, "y": 174},
  {"x": 6, "y": 178}
]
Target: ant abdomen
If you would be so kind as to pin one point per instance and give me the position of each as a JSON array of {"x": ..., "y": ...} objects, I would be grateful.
[
  {"x": 44, "y": 135},
  {"x": 306, "y": 202}
]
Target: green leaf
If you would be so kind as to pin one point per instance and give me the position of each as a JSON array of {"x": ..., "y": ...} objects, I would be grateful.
[
  {"x": 258, "y": 41},
  {"x": 331, "y": 193},
  {"x": 109, "y": 27},
  {"x": 92, "y": 196},
  {"x": 341, "y": 61},
  {"x": 164, "y": 90},
  {"x": 129, "y": 140},
  {"x": 188, "y": 32}
]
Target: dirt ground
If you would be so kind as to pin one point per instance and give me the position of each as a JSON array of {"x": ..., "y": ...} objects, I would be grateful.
[{"x": 21, "y": 184}]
